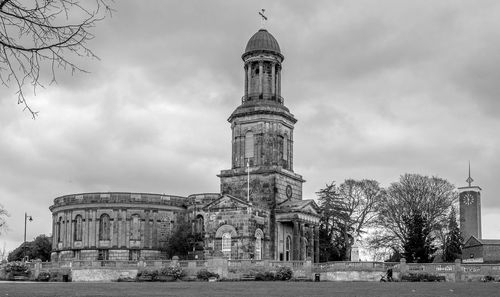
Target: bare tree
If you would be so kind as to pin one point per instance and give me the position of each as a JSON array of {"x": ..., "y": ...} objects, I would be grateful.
[
  {"x": 39, "y": 36},
  {"x": 3, "y": 252},
  {"x": 3, "y": 218},
  {"x": 348, "y": 210},
  {"x": 430, "y": 197},
  {"x": 361, "y": 199}
]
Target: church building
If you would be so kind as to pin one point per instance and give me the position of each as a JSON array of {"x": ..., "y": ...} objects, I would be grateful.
[
  {"x": 475, "y": 249},
  {"x": 258, "y": 214}
]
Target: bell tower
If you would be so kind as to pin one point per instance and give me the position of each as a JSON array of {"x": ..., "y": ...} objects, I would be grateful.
[
  {"x": 262, "y": 131},
  {"x": 470, "y": 210}
]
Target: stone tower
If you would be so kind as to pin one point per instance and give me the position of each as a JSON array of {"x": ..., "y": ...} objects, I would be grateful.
[
  {"x": 262, "y": 131},
  {"x": 470, "y": 210}
]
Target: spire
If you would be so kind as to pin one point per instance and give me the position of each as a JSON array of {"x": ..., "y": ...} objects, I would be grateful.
[{"x": 469, "y": 180}]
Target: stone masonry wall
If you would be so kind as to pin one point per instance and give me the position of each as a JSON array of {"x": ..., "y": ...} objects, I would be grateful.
[{"x": 245, "y": 221}]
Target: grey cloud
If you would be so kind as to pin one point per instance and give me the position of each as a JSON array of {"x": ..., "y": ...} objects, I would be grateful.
[{"x": 151, "y": 115}]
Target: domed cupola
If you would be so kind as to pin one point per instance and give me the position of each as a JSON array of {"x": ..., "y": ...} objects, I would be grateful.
[
  {"x": 262, "y": 58},
  {"x": 262, "y": 41}
]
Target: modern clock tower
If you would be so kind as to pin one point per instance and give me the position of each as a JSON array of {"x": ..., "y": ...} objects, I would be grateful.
[{"x": 470, "y": 210}]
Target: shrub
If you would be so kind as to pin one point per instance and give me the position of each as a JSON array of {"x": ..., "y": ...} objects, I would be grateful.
[
  {"x": 175, "y": 271},
  {"x": 487, "y": 278},
  {"x": 150, "y": 275},
  {"x": 125, "y": 279},
  {"x": 55, "y": 276},
  {"x": 205, "y": 274},
  {"x": 284, "y": 273},
  {"x": 43, "y": 277},
  {"x": 265, "y": 276},
  {"x": 422, "y": 277},
  {"x": 17, "y": 268}
]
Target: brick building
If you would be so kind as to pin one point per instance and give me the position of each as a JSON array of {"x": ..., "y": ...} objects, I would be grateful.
[
  {"x": 481, "y": 250},
  {"x": 259, "y": 213}
]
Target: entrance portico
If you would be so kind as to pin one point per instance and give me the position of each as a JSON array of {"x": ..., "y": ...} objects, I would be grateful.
[{"x": 298, "y": 230}]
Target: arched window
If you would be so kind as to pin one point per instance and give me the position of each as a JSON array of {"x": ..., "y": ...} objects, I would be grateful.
[
  {"x": 258, "y": 244},
  {"x": 135, "y": 227},
  {"x": 199, "y": 226},
  {"x": 104, "y": 227},
  {"x": 77, "y": 228},
  {"x": 226, "y": 244},
  {"x": 225, "y": 233},
  {"x": 287, "y": 248},
  {"x": 59, "y": 225},
  {"x": 249, "y": 145}
]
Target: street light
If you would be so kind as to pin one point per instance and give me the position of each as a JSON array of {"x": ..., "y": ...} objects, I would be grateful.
[{"x": 26, "y": 218}]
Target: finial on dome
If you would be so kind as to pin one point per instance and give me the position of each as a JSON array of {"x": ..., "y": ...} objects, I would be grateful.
[{"x": 263, "y": 18}]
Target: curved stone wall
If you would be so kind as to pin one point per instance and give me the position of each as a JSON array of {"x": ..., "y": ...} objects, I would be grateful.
[{"x": 113, "y": 226}]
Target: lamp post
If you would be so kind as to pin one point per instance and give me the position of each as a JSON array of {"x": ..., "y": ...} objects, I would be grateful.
[{"x": 26, "y": 218}]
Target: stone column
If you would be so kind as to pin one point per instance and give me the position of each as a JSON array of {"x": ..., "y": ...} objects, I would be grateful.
[
  {"x": 147, "y": 237},
  {"x": 273, "y": 79},
  {"x": 301, "y": 241},
  {"x": 311, "y": 243},
  {"x": 114, "y": 229},
  {"x": 316, "y": 244},
  {"x": 295, "y": 241},
  {"x": 119, "y": 228},
  {"x": 247, "y": 76},
  {"x": 96, "y": 228},
  {"x": 71, "y": 230},
  {"x": 66, "y": 223},
  {"x": 54, "y": 232},
  {"x": 85, "y": 229},
  {"x": 261, "y": 77},
  {"x": 155, "y": 230},
  {"x": 278, "y": 81}
]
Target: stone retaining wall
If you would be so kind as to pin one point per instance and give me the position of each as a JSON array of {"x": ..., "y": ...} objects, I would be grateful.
[{"x": 242, "y": 269}]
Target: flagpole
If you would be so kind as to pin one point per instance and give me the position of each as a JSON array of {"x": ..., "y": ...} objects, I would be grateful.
[{"x": 248, "y": 180}]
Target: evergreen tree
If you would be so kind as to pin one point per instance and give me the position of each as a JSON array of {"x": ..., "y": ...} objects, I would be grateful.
[
  {"x": 452, "y": 247},
  {"x": 184, "y": 240},
  {"x": 418, "y": 247},
  {"x": 333, "y": 224}
]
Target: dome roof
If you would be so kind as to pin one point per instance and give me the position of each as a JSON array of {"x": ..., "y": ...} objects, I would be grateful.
[{"x": 262, "y": 41}]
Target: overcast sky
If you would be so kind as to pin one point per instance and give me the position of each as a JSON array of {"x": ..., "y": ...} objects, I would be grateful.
[{"x": 379, "y": 88}]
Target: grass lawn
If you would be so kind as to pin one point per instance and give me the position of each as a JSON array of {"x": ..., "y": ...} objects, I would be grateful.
[{"x": 264, "y": 289}]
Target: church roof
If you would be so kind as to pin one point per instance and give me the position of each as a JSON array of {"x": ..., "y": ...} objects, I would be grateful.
[
  {"x": 306, "y": 205},
  {"x": 262, "y": 41},
  {"x": 489, "y": 241},
  {"x": 473, "y": 241}
]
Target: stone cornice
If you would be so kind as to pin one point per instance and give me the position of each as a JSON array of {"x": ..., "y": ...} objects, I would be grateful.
[
  {"x": 261, "y": 170},
  {"x": 255, "y": 107},
  {"x": 115, "y": 198},
  {"x": 471, "y": 189}
]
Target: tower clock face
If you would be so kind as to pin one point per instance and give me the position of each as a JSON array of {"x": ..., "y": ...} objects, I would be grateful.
[
  {"x": 468, "y": 199},
  {"x": 289, "y": 191}
]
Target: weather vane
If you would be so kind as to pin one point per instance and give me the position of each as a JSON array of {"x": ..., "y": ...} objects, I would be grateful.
[
  {"x": 469, "y": 179},
  {"x": 263, "y": 17}
]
